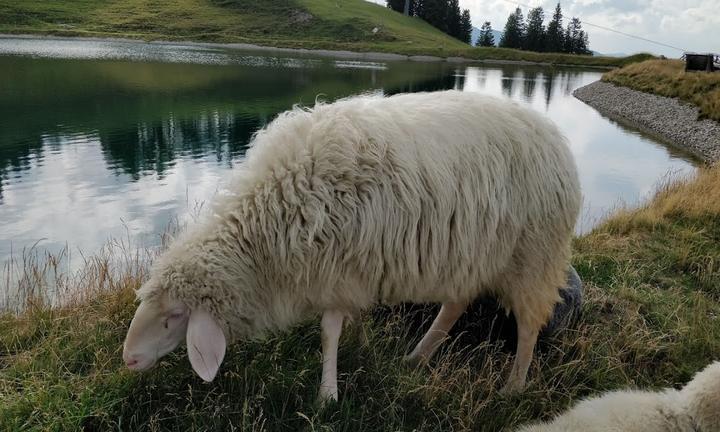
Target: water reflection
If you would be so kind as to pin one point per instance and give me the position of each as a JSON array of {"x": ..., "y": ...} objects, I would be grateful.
[
  {"x": 154, "y": 147},
  {"x": 92, "y": 148},
  {"x": 617, "y": 164},
  {"x": 148, "y": 114}
]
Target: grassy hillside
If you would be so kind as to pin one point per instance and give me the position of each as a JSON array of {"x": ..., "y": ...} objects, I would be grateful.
[
  {"x": 668, "y": 78},
  {"x": 308, "y": 23},
  {"x": 650, "y": 320},
  {"x": 313, "y": 24}
]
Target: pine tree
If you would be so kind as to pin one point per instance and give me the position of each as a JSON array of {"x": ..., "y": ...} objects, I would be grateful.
[
  {"x": 453, "y": 17},
  {"x": 576, "y": 40},
  {"x": 535, "y": 35},
  {"x": 399, "y": 6},
  {"x": 396, "y": 5},
  {"x": 465, "y": 27},
  {"x": 554, "y": 36},
  {"x": 521, "y": 24},
  {"x": 582, "y": 44},
  {"x": 567, "y": 40},
  {"x": 575, "y": 27},
  {"x": 514, "y": 33},
  {"x": 486, "y": 38},
  {"x": 444, "y": 15},
  {"x": 434, "y": 12}
]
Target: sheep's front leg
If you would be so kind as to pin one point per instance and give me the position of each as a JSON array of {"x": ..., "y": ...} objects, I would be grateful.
[
  {"x": 331, "y": 327},
  {"x": 444, "y": 321}
]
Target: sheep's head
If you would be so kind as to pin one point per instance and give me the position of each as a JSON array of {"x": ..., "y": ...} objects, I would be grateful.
[{"x": 160, "y": 324}]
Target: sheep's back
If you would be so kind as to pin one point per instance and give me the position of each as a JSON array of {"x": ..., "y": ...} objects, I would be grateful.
[
  {"x": 418, "y": 197},
  {"x": 438, "y": 189}
]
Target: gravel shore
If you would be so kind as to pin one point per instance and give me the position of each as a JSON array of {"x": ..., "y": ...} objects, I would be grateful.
[{"x": 667, "y": 117}]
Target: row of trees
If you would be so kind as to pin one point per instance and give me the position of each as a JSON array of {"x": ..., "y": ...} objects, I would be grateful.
[
  {"x": 442, "y": 14},
  {"x": 533, "y": 35}
]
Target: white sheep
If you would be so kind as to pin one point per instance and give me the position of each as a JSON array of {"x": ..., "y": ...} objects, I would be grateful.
[
  {"x": 429, "y": 197},
  {"x": 695, "y": 408}
]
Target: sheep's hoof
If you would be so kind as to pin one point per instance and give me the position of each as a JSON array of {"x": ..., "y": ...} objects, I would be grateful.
[
  {"x": 326, "y": 397},
  {"x": 512, "y": 388},
  {"x": 414, "y": 361}
]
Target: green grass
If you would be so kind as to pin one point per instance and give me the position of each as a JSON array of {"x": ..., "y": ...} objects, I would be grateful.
[
  {"x": 668, "y": 78},
  {"x": 312, "y": 24},
  {"x": 651, "y": 319}
]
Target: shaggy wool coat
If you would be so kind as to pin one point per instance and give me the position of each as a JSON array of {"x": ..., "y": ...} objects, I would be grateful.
[
  {"x": 695, "y": 408},
  {"x": 428, "y": 197}
]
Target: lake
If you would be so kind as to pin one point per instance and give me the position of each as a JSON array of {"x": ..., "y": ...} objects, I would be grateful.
[{"x": 105, "y": 140}]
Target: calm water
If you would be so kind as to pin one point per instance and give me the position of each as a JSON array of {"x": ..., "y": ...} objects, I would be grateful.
[{"x": 102, "y": 140}]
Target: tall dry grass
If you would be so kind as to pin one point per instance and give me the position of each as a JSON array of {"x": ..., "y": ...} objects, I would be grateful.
[{"x": 668, "y": 78}]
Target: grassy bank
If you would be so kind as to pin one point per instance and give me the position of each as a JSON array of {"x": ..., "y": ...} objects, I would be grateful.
[
  {"x": 668, "y": 78},
  {"x": 651, "y": 319},
  {"x": 311, "y": 24}
]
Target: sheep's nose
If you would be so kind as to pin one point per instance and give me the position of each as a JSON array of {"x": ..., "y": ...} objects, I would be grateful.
[{"x": 131, "y": 361}]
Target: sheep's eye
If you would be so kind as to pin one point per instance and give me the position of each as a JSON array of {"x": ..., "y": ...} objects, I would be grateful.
[{"x": 176, "y": 315}]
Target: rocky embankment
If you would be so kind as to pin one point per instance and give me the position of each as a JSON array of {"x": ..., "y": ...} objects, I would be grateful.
[{"x": 669, "y": 118}]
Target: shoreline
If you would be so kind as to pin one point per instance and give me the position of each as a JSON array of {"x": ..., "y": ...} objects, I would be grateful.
[
  {"x": 327, "y": 53},
  {"x": 668, "y": 118}
]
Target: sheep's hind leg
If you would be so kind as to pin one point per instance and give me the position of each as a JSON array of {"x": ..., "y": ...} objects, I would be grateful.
[
  {"x": 444, "y": 321},
  {"x": 527, "y": 334},
  {"x": 331, "y": 328}
]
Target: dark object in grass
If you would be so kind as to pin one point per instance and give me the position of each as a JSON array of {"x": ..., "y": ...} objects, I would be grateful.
[
  {"x": 699, "y": 62},
  {"x": 568, "y": 311},
  {"x": 485, "y": 320}
]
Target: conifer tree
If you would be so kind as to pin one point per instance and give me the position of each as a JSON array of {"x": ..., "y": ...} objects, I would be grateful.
[
  {"x": 465, "y": 27},
  {"x": 583, "y": 43},
  {"x": 535, "y": 34},
  {"x": 444, "y": 15},
  {"x": 400, "y": 5},
  {"x": 435, "y": 12},
  {"x": 514, "y": 32},
  {"x": 486, "y": 39},
  {"x": 396, "y": 5},
  {"x": 453, "y": 17},
  {"x": 554, "y": 35},
  {"x": 576, "y": 40}
]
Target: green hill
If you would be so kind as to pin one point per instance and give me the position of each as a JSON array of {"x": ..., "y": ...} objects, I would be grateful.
[
  {"x": 292, "y": 23},
  {"x": 355, "y": 25}
]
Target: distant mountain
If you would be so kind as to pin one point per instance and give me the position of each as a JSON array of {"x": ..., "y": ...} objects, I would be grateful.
[
  {"x": 476, "y": 35},
  {"x": 595, "y": 53}
]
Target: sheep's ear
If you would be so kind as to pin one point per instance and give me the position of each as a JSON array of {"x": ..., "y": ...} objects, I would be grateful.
[{"x": 205, "y": 344}]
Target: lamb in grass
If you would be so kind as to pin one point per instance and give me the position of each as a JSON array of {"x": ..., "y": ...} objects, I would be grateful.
[
  {"x": 434, "y": 197},
  {"x": 695, "y": 408}
]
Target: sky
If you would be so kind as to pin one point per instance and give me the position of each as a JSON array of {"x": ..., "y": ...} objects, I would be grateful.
[{"x": 693, "y": 25}]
